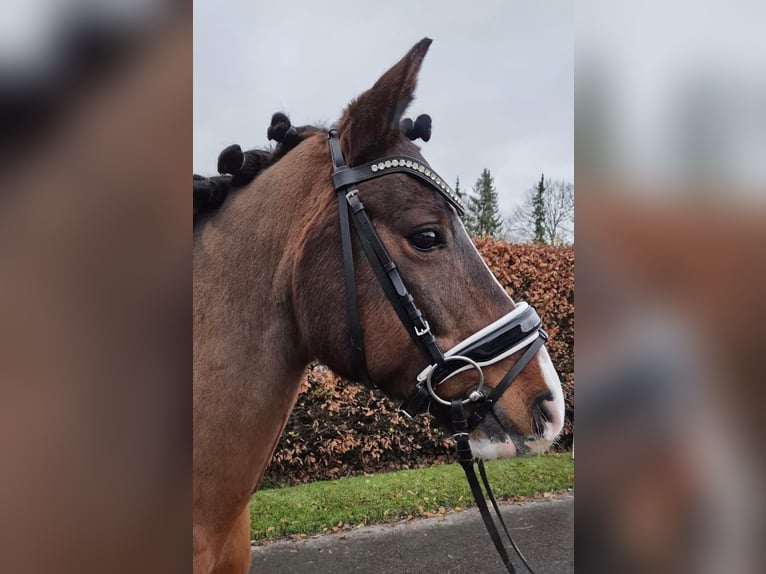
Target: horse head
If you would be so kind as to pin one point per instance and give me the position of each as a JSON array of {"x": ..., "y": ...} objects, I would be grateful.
[{"x": 476, "y": 336}]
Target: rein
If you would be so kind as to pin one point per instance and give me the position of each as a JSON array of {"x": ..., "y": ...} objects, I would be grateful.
[{"x": 519, "y": 329}]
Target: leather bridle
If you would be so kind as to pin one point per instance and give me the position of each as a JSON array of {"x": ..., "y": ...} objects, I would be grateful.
[{"x": 518, "y": 330}]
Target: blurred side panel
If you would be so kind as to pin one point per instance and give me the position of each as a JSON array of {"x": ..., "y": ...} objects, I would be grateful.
[
  {"x": 95, "y": 400},
  {"x": 670, "y": 143}
]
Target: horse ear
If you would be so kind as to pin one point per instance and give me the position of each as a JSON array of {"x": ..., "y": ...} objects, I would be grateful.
[{"x": 370, "y": 124}]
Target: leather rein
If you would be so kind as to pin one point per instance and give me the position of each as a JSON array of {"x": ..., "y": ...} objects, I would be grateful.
[{"x": 351, "y": 211}]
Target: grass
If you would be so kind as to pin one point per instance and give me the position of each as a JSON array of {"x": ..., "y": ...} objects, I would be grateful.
[{"x": 350, "y": 502}]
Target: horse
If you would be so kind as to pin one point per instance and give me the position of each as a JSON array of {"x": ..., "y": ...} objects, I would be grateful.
[{"x": 281, "y": 279}]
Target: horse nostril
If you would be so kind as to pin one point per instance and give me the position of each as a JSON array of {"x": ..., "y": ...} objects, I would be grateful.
[
  {"x": 538, "y": 405},
  {"x": 540, "y": 414}
]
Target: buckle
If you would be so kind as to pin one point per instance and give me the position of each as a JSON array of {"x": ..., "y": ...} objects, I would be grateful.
[{"x": 424, "y": 330}]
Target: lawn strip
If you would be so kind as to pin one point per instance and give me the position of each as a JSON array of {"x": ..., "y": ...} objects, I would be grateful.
[{"x": 349, "y": 502}]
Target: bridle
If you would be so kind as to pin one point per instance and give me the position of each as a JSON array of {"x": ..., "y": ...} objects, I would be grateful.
[{"x": 516, "y": 331}]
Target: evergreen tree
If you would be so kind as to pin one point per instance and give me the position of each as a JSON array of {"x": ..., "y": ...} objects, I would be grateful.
[
  {"x": 546, "y": 214},
  {"x": 538, "y": 210},
  {"x": 484, "y": 219},
  {"x": 466, "y": 217}
]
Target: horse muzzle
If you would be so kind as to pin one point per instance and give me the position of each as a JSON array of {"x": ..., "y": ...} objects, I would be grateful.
[{"x": 519, "y": 330}]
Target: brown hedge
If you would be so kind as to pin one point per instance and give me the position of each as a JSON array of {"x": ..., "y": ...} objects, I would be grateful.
[{"x": 341, "y": 429}]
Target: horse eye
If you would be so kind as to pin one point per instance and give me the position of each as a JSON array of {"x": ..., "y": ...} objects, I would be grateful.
[{"x": 425, "y": 240}]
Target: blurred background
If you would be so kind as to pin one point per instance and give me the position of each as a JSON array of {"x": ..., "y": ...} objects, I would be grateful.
[
  {"x": 670, "y": 150},
  {"x": 95, "y": 343}
]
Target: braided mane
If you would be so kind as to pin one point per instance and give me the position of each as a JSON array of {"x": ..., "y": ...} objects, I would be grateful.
[{"x": 237, "y": 168}]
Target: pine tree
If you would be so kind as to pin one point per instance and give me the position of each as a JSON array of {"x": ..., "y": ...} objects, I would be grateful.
[
  {"x": 484, "y": 219},
  {"x": 546, "y": 215},
  {"x": 466, "y": 217},
  {"x": 538, "y": 210}
]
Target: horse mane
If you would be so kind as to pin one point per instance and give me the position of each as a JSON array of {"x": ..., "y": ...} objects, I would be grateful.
[{"x": 238, "y": 169}]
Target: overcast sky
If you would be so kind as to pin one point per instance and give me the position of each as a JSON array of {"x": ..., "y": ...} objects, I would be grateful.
[{"x": 497, "y": 80}]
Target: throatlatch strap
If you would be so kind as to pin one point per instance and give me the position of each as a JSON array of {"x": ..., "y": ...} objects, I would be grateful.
[{"x": 358, "y": 359}]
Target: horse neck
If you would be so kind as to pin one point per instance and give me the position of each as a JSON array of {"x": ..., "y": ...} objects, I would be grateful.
[{"x": 243, "y": 264}]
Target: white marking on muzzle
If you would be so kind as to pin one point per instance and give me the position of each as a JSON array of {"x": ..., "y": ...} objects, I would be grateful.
[
  {"x": 486, "y": 449},
  {"x": 555, "y": 408}
]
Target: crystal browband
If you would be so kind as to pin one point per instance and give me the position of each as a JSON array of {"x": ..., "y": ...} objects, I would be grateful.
[{"x": 401, "y": 164}]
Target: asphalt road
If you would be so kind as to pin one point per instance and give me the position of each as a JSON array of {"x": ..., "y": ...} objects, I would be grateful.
[{"x": 456, "y": 544}]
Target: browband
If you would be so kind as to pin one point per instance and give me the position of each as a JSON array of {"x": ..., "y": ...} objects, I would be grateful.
[{"x": 345, "y": 176}]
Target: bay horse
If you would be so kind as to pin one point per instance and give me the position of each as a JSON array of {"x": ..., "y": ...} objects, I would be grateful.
[{"x": 280, "y": 280}]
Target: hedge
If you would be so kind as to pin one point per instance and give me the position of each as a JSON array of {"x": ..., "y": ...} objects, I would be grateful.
[{"x": 342, "y": 429}]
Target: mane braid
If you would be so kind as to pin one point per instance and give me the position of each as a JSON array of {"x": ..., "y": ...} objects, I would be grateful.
[{"x": 238, "y": 169}]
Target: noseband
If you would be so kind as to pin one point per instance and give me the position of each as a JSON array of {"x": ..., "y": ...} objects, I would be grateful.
[{"x": 518, "y": 330}]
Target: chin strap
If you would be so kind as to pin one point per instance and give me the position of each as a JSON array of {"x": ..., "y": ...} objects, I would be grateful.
[{"x": 465, "y": 458}]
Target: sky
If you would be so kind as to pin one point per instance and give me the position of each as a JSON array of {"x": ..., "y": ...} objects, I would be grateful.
[{"x": 498, "y": 80}]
